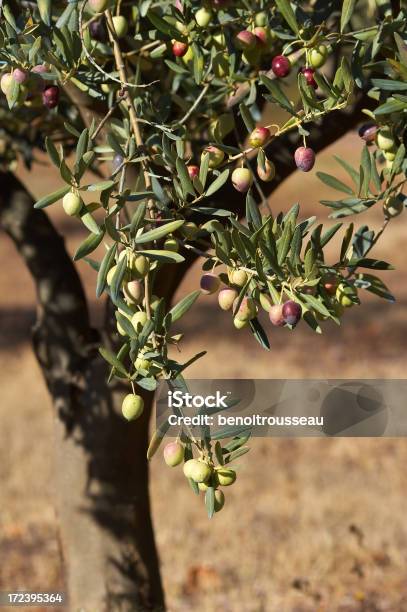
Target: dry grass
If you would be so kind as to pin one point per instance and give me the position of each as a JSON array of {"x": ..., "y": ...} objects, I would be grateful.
[{"x": 311, "y": 525}]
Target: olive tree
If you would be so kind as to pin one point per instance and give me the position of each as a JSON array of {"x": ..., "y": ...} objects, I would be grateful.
[{"x": 162, "y": 105}]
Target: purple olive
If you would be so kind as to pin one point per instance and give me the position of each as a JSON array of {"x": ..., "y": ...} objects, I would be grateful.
[
  {"x": 281, "y": 66},
  {"x": 368, "y": 132},
  {"x": 50, "y": 96},
  {"x": 304, "y": 158},
  {"x": 309, "y": 77},
  {"x": 97, "y": 30},
  {"x": 291, "y": 312}
]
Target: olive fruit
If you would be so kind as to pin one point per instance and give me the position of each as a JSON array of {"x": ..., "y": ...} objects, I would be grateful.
[
  {"x": 203, "y": 17},
  {"x": 330, "y": 283},
  {"x": 19, "y": 75},
  {"x": 98, "y": 6},
  {"x": 189, "y": 230},
  {"x": 50, "y": 96},
  {"x": 267, "y": 173},
  {"x": 393, "y": 207},
  {"x": 368, "y": 132},
  {"x": 261, "y": 19},
  {"x": 318, "y": 56},
  {"x": 72, "y": 204},
  {"x": 120, "y": 25},
  {"x": 193, "y": 171},
  {"x": 133, "y": 291},
  {"x": 216, "y": 156},
  {"x": 281, "y": 66},
  {"x": 138, "y": 320},
  {"x": 171, "y": 244},
  {"x": 226, "y": 298},
  {"x": 6, "y": 82},
  {"x": 247, "y": 309},
  {"x": 179, "y": 48},
  {"x": 291, "y": 312},
  {"x": 110, "y": 274},
  {"x": 238, "y": 277},
  {"x": 346, "y": 295},
  {"x": 242, "y": 179},
  {"x": 309, "y": 77},
  {"x": 173, "y": 454},
  {"x": 276, "y": 315},
  {"x": 225, "y": 476},
  {"x": 245, "y": 40},
  {"x": 219, "y": 500},
  {"x": 385, "y": 140},
  {"x": 141, "y": 362},
  {"x": 304, "y": 158},
  {"x": 132, "y": 407},
  {"x": 259, "y": 137},
  {"x": 197, "y": 470},
  {"x": 240, "y": 323},
  {"x": 209, "y": 283}
]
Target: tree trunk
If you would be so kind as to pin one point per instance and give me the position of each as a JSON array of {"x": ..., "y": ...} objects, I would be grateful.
[{"x": 101, "y": 483}]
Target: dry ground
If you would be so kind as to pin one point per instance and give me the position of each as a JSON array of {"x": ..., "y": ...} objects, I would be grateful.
[{"x": 311, "y": 524}]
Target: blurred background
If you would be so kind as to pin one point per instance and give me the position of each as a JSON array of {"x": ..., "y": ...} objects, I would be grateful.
[{"x": 311, "y": 524}]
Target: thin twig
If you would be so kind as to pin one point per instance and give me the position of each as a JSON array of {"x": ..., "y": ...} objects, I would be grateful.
[{"x": 94, "y": 63}]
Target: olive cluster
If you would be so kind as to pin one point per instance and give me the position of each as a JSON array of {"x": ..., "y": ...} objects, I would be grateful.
[
  {"x": 338, "y": 294},
  {"x": 383, "y": 136},
  {"x": 202, "y": 471},
  {"x": 32, "y": 89}
]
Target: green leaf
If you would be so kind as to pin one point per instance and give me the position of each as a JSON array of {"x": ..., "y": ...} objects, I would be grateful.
[
  {"x": 164, "y": 26},
  {"x": 118, "y": 278},
  {"x": 203, "y": 170},
  {"x": 333, "y": 182},
  {"x": 186, "y": 183},
  {"x": 52, "y": 197},
  {"x": 105, "y": 266},
  {"x": 102, "y": 186},
  {"x": 90, "y": 244},
  {"x": 217, "y": 183},
  {"x": 367, "y": 172},
  {"x": 316, "y": 304},
  {"x": 391, "y": 106},
  {"x": 237, "y": 453},
  {"x": 347, "y": 10},
  {"x": 89, "y": 221},
  {"x": 247, "y": 117},
  {"x": 52, "y": 152},
  {"x": 183, "y": 306},
  {"x": 389, "y": 84},
  {"x": 159, "y": 232},
  {"x": 252, "y": 211},
  {"x": 163, "y": 256},
  {"x": 354, "y": 174},
  {"x": 138, "y": 217},
  {"x": 44, "y": 7},
  {"x": 113, "y": 361},
  {"x": 210, "y": 501},
  {"x": 276, "y": 92},
  {"x": 284, "y": 243},
  {"x": 287, "y": 12},
  {"x": 259, "y": 333},
  {"x": 326, "y": 236},
  {"x": 374, "y": 264}
]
